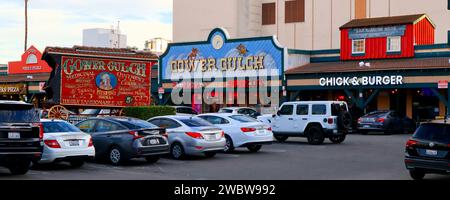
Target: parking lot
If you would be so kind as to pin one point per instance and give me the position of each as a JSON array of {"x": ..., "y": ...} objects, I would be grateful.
[{"x": 360, "y": 157}]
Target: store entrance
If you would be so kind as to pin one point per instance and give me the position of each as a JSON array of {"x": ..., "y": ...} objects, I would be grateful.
[{"x": 425, "y": 105}]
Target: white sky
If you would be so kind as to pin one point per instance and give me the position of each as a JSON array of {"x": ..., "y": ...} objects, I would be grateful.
[{"x": 60, "y": 22}]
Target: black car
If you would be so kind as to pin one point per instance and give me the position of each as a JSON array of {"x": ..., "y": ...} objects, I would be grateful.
[
  {"x": 21, "y": 136},
  {"x": 428, "y": 150},
  {"x": 388, "y": 122},
  {"x": 118, "y": 139}
]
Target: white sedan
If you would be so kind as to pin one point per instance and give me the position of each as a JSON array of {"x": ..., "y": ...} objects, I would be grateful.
[
  {"x": 64, "y": 142},
  {"x": 241, "y": 130}
]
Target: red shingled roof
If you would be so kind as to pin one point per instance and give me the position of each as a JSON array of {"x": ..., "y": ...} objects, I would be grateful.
[
  {"x": 385, "y": 21},
  {"x": 101, "y": 52},
  {"x": 375, "y": 65}
]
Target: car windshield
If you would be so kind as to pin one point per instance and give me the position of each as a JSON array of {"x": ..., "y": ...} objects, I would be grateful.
[
  {"x": 434, "y": 132},
  {"x": 18, "y": 114},
  {"x": 195, "y": 122},
  {"x": 59, "y": 127},
  {"x": 135, "y": 123},
  {"x": 243, "y": 118},
  {"x": 91, "y": 112},
  {"x": 376, "y": 114},
  {"x": 225, "y": 111}
]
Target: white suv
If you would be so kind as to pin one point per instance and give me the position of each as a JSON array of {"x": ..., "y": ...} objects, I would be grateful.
[{"x": 315, "y": 120}]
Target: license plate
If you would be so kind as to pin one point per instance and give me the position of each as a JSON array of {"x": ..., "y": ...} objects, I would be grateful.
[
  {"x": 153, "y": 141},
  {"x": 13, "y": 135},
  {"x": 212, "y": 137},
  {"x": 431, "y": 152},
  {"x": 366, "y": 126},
  {"x": 74, "y": 143},
  {"x": 260, "y": 132}
]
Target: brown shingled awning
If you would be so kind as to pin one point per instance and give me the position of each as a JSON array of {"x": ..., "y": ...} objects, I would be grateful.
[
  {"x": 375, "y": 65},
  {"x": 383, "y": 21},
  {"x": 102, "y": 52},
  {"x": 24, "y": 78}
]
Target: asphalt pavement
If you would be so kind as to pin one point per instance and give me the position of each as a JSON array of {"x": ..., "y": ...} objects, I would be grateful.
[{"x": 360, "y": 157}]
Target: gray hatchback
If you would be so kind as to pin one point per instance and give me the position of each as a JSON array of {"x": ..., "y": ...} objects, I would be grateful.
[{"x": 190, "y": 135}]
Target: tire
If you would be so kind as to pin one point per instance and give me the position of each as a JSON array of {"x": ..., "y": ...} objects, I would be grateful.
[
  {"x": 254, "y": 148},
  {"x": 344, "y": 120},
  {"x": 229, "y": 146},
  {"x": 115, "y": 156},
  {"x": 77, "y": 163},
  {"x": 19, "y": 167},
  {"x": 152, "y": 159},
  {"x": 315, "y": 135},
  {"x": 177, "y": 151},
  {"x": 210, "y": 154},
  {"x": 281, "y": 138},
  {"x": 417, "y": 174},
  {"x": 337, "y": 139}
]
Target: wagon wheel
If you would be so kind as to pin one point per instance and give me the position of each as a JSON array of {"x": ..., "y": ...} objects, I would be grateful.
[
  {"x": 58, "y": 112},
  {"x": 122, "y": 112}
]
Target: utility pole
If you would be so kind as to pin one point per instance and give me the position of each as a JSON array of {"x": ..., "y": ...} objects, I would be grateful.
[
  {"x": 118, "y": 34},
  {"x": 26, "y": 25}
]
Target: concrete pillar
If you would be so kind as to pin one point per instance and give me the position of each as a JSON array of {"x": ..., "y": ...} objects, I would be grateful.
[{"x": 383, "y": 101}]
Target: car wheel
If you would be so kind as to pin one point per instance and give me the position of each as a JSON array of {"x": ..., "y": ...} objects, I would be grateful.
[
  {"x": 210, "y": 154},
  {"x": 115, "y": 156},
  {"x": 315, "y": 135},
  {"x": 229, "y": 146},
  {"x": 19, "y": 167},
  {"x": 177, "y": 151},
  {"x": 337, "y": 139},
  {"x": 254, "y": 148},
  {"x": 280, "y": 138},
  {"x": 152, "y": 159},
  {"x": 417, "y": 174},
  {"x": 77, "y": 163}
]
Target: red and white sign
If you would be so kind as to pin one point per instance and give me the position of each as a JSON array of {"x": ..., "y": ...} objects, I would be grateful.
[
  {"x": 30, "y": 63},
  {"x": 443, "y": 84},
  {"x": 160, "y": 90},
  {"x": 105, "y": 82}
]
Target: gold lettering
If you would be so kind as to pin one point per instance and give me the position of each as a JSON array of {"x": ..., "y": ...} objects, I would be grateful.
[
  {"x": 173, "y": 66},
  {"x": 223, "y": 64},
  {"x": 203, "y": 65},
  {"x": 212, "y": 64},
  {"x": 249, "y": 63},
  {"x": 259, "y": 62}
]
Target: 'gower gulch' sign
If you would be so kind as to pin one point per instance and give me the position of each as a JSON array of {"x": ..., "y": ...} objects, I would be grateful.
[{"x": 105, "y": 82}]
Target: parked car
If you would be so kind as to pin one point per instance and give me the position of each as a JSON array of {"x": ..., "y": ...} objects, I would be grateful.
[
  {"x": 185, "y": 110},
  {"x": 241, "y": 110},
  {"x": 64, "y": 142},
  {"x": 315, "y": 120},
  {"x": 241, "y": 130},
  {"x": 97, "y": 112},
  {"x": 428, "y": 150},
  {"x": 118, "y": 139},
  {"x": 389, "y": 122},
  {"x": 190, "y": 135},
  {"x": 21, "y": 136}
]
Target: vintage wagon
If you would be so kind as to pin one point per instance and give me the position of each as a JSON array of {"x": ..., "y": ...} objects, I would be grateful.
[{"x": 100, "y": 78}]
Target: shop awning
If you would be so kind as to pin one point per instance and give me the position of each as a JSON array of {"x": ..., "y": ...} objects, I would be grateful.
[
  {"x": 372, "y": 65},
  {"x": 16, "y": 78}
]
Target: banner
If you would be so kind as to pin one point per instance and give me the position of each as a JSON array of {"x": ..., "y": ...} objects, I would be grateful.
[{"x": 105, "y": 82}]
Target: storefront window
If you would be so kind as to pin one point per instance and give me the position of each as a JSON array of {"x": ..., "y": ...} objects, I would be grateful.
[
  {"x": 393, "y": 44},
  {"x": 359, "y": 46}
]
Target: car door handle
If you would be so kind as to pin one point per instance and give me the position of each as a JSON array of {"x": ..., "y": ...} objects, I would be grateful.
[
  {"x": 304, "y": 118},
  {"x": 290, "y": 118}
]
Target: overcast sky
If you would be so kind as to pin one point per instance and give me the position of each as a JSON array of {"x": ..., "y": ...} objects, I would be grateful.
[{"x": 60, "y": 22}]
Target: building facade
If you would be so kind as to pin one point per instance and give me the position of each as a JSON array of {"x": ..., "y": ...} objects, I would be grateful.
[
  {"x": 298, "y": 24},
  {"x": 105, "y": 38},
  {"x": 156, "y": 45}
]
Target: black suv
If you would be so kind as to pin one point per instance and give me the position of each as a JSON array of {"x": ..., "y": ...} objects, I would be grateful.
[
  {"x": 428, "y": 150},
  {"x": 20, "y": 136}
]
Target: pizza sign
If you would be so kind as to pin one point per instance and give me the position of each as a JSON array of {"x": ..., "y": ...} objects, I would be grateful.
[{"x": 105, "y": 82}]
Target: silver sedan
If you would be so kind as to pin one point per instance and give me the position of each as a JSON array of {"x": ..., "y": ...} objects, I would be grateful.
[{"x": 190, "y": 135}]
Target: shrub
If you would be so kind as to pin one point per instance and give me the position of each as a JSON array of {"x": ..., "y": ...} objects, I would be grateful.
[{"x": 147, "y": 112}]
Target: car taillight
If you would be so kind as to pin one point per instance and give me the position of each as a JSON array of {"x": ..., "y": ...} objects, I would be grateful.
[
  {"x": 245, "y": 130},
  {"x": 135, "y": 135},
  {"x": 359, "y": 120},
  {"x": 41, "y": 130},
  {"x": 381, "y": 120},
  {"x": 90, "y": 143},
  {"x": 222, "y": 134},
  {"x": 410, "y": 143},
  {"x": 330, "y": 120},
  {"x": 269, "y": 129},
  {"x": 52, "y": 144},
  {"x": 195, "y": 135},
  {"x": 165, "y": 134}
]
